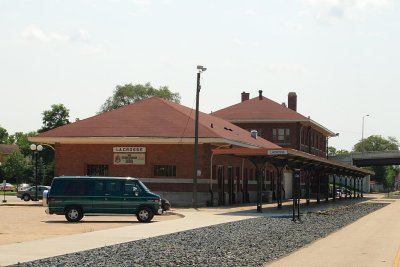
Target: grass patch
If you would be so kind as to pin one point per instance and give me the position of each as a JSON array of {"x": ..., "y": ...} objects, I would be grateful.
[{"x": 8, "y": 193}]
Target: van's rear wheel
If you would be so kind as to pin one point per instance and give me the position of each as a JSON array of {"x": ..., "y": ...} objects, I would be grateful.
[
  {"x": 73, "y": 214},
  {"x": 145, "y": 214}
]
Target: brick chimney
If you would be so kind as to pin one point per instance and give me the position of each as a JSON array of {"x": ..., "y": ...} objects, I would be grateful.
[
  {"x": 245, "y": 96},
  {"x": 292, "y": 101},
  {"x": 260, "y": 94}
]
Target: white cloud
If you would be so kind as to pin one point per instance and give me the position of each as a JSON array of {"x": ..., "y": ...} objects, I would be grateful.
[
  {"x": 339, "y": 9},
  {"x": 80, "y": 37},
  {"x": 32, "y": 32}
]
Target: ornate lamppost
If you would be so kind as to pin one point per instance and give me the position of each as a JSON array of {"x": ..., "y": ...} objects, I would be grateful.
[{"x": 35, "y": 150}]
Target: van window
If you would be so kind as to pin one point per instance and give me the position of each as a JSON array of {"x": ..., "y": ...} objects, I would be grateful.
[
  {"x": 98, "y": 187},
  {"x": 129, "y": 188},
  {"x": 57, "y": 187},
  {"x": 144, "y": 187},
  {"x": 76, "y": 187},
  {"x": 113, "y": 188}
]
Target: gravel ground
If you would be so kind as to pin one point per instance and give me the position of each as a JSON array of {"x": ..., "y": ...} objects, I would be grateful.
[{"x": 251, "y": 242}]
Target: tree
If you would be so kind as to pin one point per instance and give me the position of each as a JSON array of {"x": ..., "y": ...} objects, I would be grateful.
[
  {"x": 16, "y": 168},
  {"x": 3, "y": 136},
  {"x": 21, "y": 140},
  {"x": 390, "y": 175},
  {"x": 332, "y": 151},
  {"x": 129, "y": 93},
  {"x": 56, "y": 117},
  {"x": 377, "y": 143}
]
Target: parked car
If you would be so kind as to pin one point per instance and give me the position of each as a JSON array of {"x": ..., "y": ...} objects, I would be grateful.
[
  {"x": 165, "y": 205},
  {"x": 339, "y": 192},
  {"x": 346, "y": 191},
  {"x": 23, "y": 186},
  {"x": 30, "y": 192},
  {"x": 75, "y": 196},
  {"x": 8, "y": 187}
]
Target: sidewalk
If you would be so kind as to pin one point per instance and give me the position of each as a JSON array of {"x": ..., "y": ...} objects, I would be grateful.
[
  {"x": 38, "y": 249},
  {"x": 192, "y": 219},
  {"x": 374, "y": 240}
]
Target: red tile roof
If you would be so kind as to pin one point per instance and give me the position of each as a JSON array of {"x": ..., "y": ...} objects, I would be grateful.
[
  {"x": 154, "y": 118},
  {"x": 259, "y": 110},
  {"x": 265, "y": 110}
]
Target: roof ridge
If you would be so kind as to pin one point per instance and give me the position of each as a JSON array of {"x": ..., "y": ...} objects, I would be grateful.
[
  {"x": 280, "y": 105},
  {"x": 177, "y": 107},
  {"x": 275, "y": 104}
]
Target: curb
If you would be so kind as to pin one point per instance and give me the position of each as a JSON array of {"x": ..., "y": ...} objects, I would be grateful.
[{"x": 21, "y": 204}]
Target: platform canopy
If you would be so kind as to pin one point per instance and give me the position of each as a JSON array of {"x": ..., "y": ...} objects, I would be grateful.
[{"x": 294, "y": 159}]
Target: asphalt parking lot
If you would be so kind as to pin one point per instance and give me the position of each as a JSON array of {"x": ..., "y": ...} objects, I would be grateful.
[{"x": 22, "y": 221}]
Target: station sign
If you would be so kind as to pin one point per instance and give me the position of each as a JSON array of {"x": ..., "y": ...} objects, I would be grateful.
[
  {"x": 129, "y": 159},
  {"x": 129, "y": 149},
  {"x": 277, "y": 152}
]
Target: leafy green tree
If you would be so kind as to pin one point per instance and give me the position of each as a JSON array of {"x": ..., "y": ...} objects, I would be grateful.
[
  {"x": 4, "y": 136},
  {"x": 129, "y": 93},
  {"x": 16, "y": 168},
  {"x": 390, "y": 175},
  {"x": 21, "y": 140},
  {"x": 377, "y": 143},
  {"x": 332, "y": 151},
  {"x": 57, "y": 116}
]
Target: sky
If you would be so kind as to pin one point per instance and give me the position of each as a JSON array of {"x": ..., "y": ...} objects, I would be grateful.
[{"x": 341, "y": 57}]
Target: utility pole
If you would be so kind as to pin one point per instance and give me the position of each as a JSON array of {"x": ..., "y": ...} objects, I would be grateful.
[{"x": 196, "y": 171}]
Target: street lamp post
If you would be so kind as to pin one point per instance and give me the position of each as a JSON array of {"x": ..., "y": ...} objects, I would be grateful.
[
  {"x": 362, "y": 133},
  {"x": 196, "y": 171},
  {"x": 35, "y": 150},
  {"x": 4, "y": 186}
]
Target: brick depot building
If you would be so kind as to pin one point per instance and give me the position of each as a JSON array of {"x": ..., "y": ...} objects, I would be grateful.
[{"x": 154, "y": 140}]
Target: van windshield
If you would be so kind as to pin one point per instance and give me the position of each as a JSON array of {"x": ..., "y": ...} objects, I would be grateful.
[{"x": 144, "y": 187}]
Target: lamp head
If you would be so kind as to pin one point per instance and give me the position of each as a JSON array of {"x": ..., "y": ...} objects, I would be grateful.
[
  {"x": 34, "y": 147},
  {"x": 201, "y": 68}
]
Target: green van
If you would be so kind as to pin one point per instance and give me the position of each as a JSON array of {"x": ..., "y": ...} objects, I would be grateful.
[{"x": 75, "y": 196}]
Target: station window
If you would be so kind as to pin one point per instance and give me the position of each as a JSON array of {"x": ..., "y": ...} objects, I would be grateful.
[
  {"x": 97, "y": 170},
  {"x": 165, "y": 170},
  {"x": 281, "y": 136}
]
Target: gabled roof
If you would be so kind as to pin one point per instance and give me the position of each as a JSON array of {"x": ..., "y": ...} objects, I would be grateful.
[
  {"x": 153, "y": 120},
  {"x": 261, "y": 110},
  {"x": 265, "y": 110}
]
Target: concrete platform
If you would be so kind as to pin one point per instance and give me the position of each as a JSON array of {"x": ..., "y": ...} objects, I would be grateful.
[
  {"x": 372, "y": 241},
  {"x": 191, "y": 219}
]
